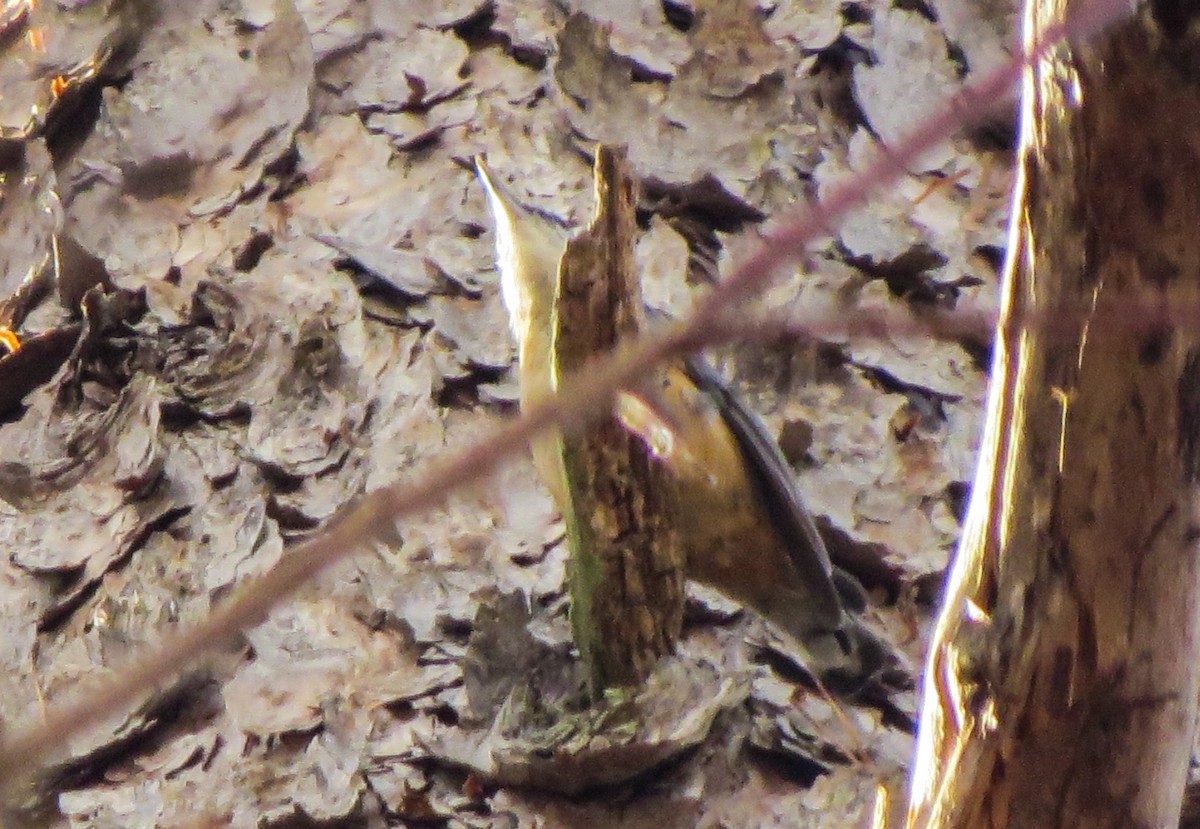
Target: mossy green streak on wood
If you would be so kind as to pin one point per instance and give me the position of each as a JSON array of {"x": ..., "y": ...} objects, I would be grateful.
[{"x": 584, "y": 568}]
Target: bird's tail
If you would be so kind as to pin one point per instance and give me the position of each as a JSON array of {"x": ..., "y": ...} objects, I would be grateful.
[{"x": 849, "y": 658}]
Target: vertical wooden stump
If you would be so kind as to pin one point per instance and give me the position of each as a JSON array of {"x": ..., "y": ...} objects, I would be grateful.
[{"x": 627, "y": 560}]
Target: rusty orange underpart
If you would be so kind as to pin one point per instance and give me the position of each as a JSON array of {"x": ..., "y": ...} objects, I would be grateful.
[{"x": 9, "y": 341}]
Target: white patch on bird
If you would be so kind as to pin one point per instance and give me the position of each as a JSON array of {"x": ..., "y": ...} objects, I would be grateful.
[
  {"x": 507, "y": 260},
  {"x": 528, "y": 249},
  {"x": 640, "y": 419},
  {"x": 510, "y": 287}
]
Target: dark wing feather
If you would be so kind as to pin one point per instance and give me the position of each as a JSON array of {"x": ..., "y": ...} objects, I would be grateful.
[{"x": 772, "y": 478}]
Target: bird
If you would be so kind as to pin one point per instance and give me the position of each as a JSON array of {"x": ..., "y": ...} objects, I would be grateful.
[{"x": 746, "y": 530}]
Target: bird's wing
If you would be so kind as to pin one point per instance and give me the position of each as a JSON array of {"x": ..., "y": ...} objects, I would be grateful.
[{"x": 772, "y": 479}]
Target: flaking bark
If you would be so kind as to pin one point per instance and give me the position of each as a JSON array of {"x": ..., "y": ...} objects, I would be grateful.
[{"x": 627, "y": 558}]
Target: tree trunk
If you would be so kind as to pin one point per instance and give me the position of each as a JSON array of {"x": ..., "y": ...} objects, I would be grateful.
[{"x": 1062, "y": 682}]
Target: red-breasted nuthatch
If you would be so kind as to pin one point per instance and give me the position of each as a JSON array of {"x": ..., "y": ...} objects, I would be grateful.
[{"x": 746, "y": 531}]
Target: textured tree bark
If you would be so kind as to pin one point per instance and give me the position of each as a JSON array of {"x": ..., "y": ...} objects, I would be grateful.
[
  {"x": 627, "y": 557},
  {"x": 1062, "y": 683}
]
